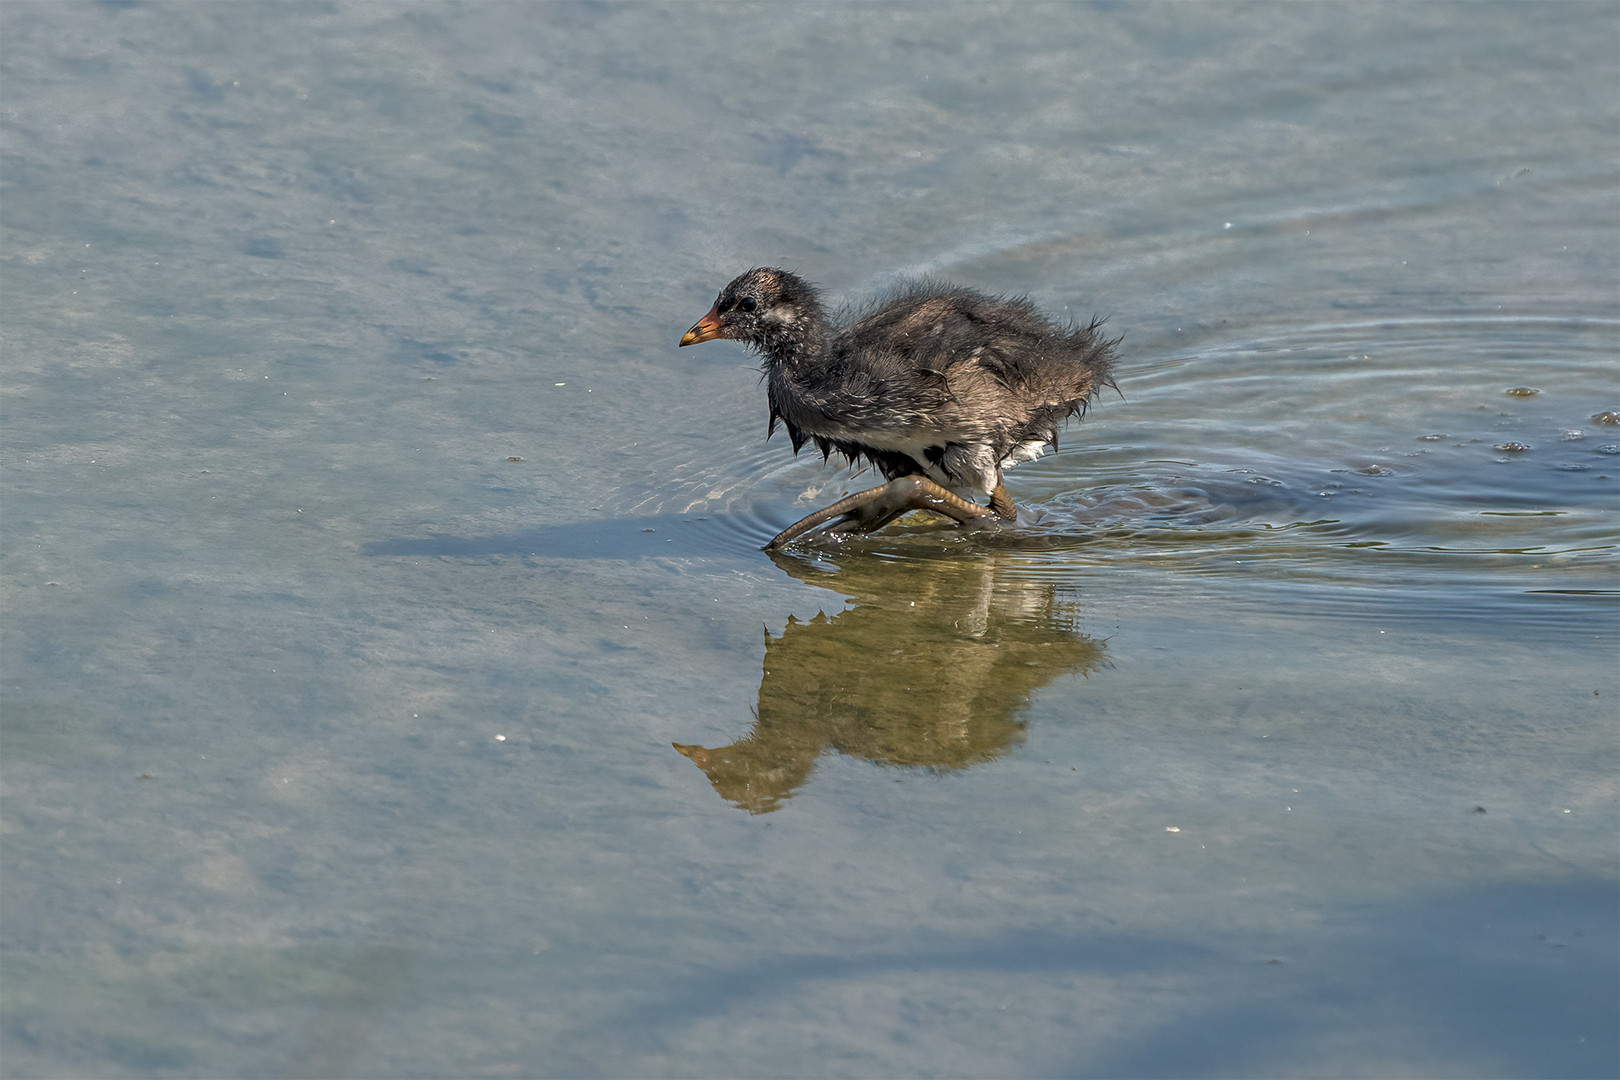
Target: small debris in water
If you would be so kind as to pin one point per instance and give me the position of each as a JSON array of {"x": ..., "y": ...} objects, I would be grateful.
[
  {"x": 1608, "y": 418},
  {"x": 1512, "y": 447},
  {"x": 1522, "y": 391}
]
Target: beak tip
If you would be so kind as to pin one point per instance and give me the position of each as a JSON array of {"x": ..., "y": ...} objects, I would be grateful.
[{"x": 705, "y": 329}]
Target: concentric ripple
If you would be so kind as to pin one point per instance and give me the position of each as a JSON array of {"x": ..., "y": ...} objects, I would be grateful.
[{"x": 1420, "y": 457}]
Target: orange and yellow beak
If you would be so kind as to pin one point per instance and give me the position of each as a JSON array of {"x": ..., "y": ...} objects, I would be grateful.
[{"x": 705, "y": 329}]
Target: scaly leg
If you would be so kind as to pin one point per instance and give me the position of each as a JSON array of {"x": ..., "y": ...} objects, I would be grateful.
[
  {"x": 1002, "y": 504},
  {"x": 869, "y": 510}
]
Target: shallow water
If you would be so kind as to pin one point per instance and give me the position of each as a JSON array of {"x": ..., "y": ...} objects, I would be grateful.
[{"x": 393, "y": 685}]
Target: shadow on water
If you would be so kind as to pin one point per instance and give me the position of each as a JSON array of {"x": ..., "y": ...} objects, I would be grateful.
[
  {"x": 1517, "y": 981},
  {"x": 1105, "y": 516},
  {"x": 928, "y": 667},
  {"x": 653, "y": 536}
]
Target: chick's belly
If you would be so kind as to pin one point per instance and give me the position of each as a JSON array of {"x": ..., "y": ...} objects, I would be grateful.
[
  {"x": 972, "y": 472},
  {"x": 913, "y": 442}
]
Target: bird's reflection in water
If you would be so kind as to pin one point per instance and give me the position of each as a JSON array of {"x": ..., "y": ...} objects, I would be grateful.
[{"x": 929, "y": 667}]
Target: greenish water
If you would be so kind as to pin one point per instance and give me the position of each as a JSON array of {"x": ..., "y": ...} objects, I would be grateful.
[{"x": 391, "y": 683}]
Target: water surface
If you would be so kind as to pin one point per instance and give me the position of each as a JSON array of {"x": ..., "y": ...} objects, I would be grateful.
[{"x": 393, "y": 685}]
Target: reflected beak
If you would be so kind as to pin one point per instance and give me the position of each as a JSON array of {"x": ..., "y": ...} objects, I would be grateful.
[{"x": 705, "y": 329}]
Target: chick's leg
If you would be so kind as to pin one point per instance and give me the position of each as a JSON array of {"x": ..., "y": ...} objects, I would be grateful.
[{"x": 869, "y": 510}]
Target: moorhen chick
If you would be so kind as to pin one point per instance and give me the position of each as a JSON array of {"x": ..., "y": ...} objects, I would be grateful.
[{"x": 941, "y": 388}]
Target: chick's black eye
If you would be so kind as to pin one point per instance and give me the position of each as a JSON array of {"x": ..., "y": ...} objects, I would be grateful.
[{"x": 748, "y": 303}]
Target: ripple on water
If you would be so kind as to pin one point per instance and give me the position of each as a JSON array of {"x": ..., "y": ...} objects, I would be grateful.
[{"x": 1443, "y": 462}]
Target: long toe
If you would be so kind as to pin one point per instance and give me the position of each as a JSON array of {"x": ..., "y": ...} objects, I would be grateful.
[
  {"x": 870, "y": 510},
  {"x": 860, "y": 512}
]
